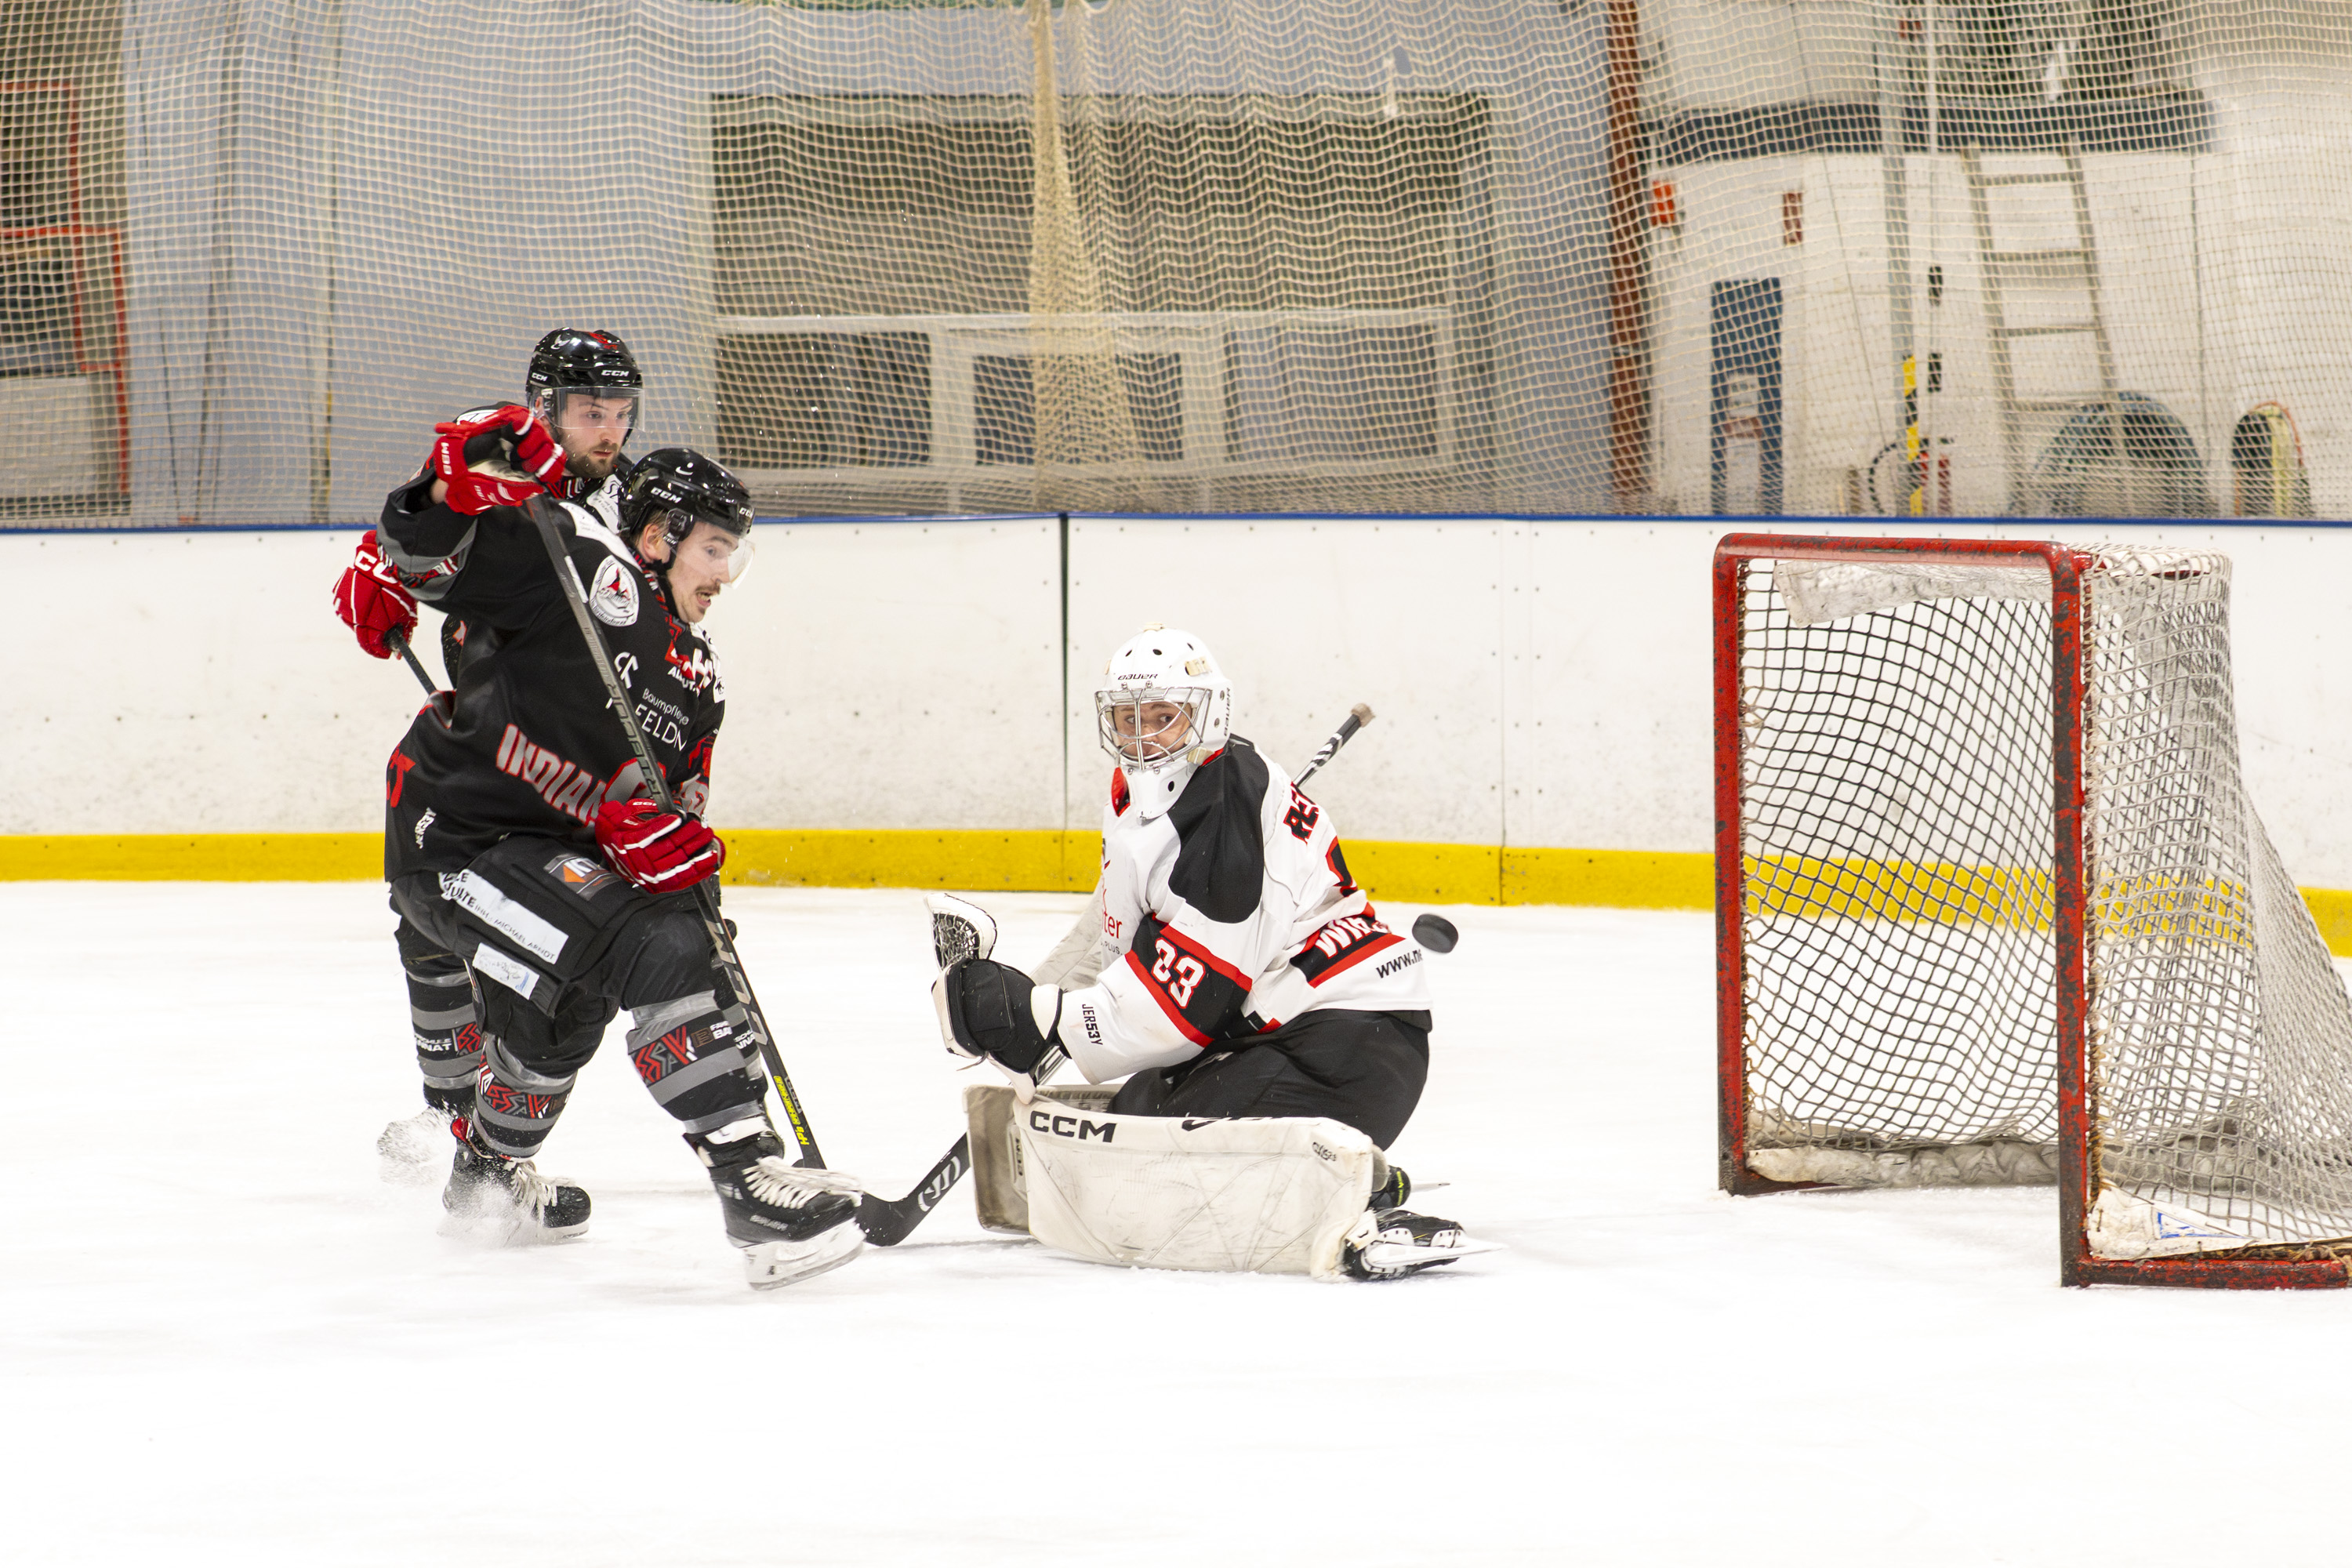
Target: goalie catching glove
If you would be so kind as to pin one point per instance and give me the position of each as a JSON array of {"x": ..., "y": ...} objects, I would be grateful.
[
  {"x": 502, "y": 456},
  {"x": 992, "y": 1010}
]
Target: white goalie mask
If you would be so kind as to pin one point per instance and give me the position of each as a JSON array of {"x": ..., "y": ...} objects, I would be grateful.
[{"x": 1163, "y": 708}]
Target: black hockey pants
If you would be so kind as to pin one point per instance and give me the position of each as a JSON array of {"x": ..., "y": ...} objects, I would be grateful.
[
  {"x": 1365, "y": 1069},
  {"x": 557, "y": 944}
]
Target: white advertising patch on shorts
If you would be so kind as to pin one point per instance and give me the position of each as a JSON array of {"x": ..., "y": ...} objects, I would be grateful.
[
  {"x": 500, "y": 913},
  {"x": 615, "y": 597},
  {"x": 511, "y": 973}
]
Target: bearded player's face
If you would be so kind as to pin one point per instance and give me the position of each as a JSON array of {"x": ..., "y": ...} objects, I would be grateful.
[{"x": 592, "y": 430}]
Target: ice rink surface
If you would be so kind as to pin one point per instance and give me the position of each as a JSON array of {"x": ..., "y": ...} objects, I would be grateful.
[{"x": 223, "y": 1339}]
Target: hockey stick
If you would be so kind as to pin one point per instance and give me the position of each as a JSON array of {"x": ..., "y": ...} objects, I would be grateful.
[
  {"x": 547, "y": 518},
  {"x": 1358, "y": 716},
  {"x": 890, "y": 1223},
  {"x": 399, "y": 645}
]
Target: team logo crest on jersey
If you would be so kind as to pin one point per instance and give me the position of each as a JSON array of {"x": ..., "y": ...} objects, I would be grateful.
[{"x": 613, "y": 599}]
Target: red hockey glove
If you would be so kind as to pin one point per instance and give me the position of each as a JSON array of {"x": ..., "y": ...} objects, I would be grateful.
[
  {"x": 502, "y": 457},
  {"x": 660, "y": 851},
  {"x": 368, "y": 599}
]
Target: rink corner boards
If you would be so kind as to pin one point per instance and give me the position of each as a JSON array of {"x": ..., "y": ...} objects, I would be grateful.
[{"x": 972, "y": 859}]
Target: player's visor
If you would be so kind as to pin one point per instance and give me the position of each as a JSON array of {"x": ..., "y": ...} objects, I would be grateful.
[
  {"x": 711, "y": 549},
  {"x": 580, "y": 413}
]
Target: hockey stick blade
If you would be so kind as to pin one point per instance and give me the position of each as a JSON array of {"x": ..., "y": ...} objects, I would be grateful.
[{"x": 887, "y": 1223}]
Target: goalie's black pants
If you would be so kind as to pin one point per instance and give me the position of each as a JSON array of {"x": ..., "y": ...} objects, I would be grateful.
[
  {"x": 1365, "y": 1069},
  {"x": 557, "y": 943}
]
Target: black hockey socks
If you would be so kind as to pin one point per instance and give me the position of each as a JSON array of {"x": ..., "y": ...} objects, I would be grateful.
[{"x": 441, "y": 1009}]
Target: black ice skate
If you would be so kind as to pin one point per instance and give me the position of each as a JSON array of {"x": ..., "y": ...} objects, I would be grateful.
[
  {"x": 792, "y": 1221},
  {"x": 1389, "y": 1244},
  {"x": 507, "y": 1200}
]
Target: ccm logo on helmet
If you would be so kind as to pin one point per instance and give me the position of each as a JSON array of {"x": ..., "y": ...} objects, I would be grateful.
[{"x": 1071, "y": 1127}]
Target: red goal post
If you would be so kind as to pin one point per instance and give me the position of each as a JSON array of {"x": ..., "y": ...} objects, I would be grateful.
[{"x": 1991, "y": 910}]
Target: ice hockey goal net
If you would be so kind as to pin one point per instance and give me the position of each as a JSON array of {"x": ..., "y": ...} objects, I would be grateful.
[{"x": 1993, "y": 907}]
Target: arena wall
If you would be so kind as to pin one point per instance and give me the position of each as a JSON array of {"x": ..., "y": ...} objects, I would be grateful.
[{"x": 901, "y": 711}]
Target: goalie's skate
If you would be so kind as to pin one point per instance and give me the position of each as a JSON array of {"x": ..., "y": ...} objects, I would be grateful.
[
  {"x": 1389, "y": 1244},
  {"x": 408, "y": 1152},
  {"x": 497, "y": 1199},
  {"x": 792, "y": 1222}
]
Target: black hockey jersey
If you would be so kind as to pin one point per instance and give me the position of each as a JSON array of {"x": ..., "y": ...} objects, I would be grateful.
[
  {"x": 453, "y": 626},
  {"x": 532, "y": 746}
]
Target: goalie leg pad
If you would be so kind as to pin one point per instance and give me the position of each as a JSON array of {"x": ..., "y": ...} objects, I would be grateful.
[{"x": 1262, "y": 1196}]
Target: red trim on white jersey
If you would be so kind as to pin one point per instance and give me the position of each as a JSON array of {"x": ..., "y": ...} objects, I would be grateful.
[
  {"x": 1175, "y": 1015},
  {"x": 1377, "y": 944}
]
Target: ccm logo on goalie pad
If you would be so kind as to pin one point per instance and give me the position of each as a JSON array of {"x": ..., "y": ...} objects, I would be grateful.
[
  {"x": 1071, "y": 1127},
  {"x": 1201, "y": 993}
]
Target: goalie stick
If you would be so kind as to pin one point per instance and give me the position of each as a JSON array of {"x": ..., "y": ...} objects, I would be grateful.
[
  {"x": 1358, "y": 716},
  {"x": 956, "y": 935}
]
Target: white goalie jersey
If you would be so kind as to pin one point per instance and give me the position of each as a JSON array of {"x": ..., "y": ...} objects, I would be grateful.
[{"x": 1228, "y": 915}]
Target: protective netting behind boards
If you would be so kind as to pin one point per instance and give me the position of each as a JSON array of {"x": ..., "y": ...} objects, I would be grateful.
[
  {"x": 2042, "y": 256},
  {"x": 1899, "y": 914}
]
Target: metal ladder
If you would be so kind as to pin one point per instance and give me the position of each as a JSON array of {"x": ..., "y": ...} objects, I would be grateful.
[{"x": 2082, "y": 259}]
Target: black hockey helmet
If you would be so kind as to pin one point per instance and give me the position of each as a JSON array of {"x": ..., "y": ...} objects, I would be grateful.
[
  {"x": 570, "y": 357},
  {"x": 677, "y": 488},
  {"x": 569, "y": 360}
]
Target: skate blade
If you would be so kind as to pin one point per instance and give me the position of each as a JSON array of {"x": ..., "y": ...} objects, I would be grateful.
[
  {"x": 773, "y": 1265},
  {"x": 1405, "y": 1257}
]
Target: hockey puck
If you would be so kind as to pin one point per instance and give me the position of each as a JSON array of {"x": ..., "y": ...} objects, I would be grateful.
[{"x": 1435, "y": 933}]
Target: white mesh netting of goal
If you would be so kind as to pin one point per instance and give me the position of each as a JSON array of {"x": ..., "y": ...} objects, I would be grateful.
[
  {"x": 908, "y": 256},
  {"x": 1900, "y": 925}
]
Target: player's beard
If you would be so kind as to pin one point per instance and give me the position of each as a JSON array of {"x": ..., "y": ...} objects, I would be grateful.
[{"x": 591, "y": 468}]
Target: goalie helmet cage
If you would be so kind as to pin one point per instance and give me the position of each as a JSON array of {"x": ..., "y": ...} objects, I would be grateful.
[{"x": 1991, "y": 907}]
